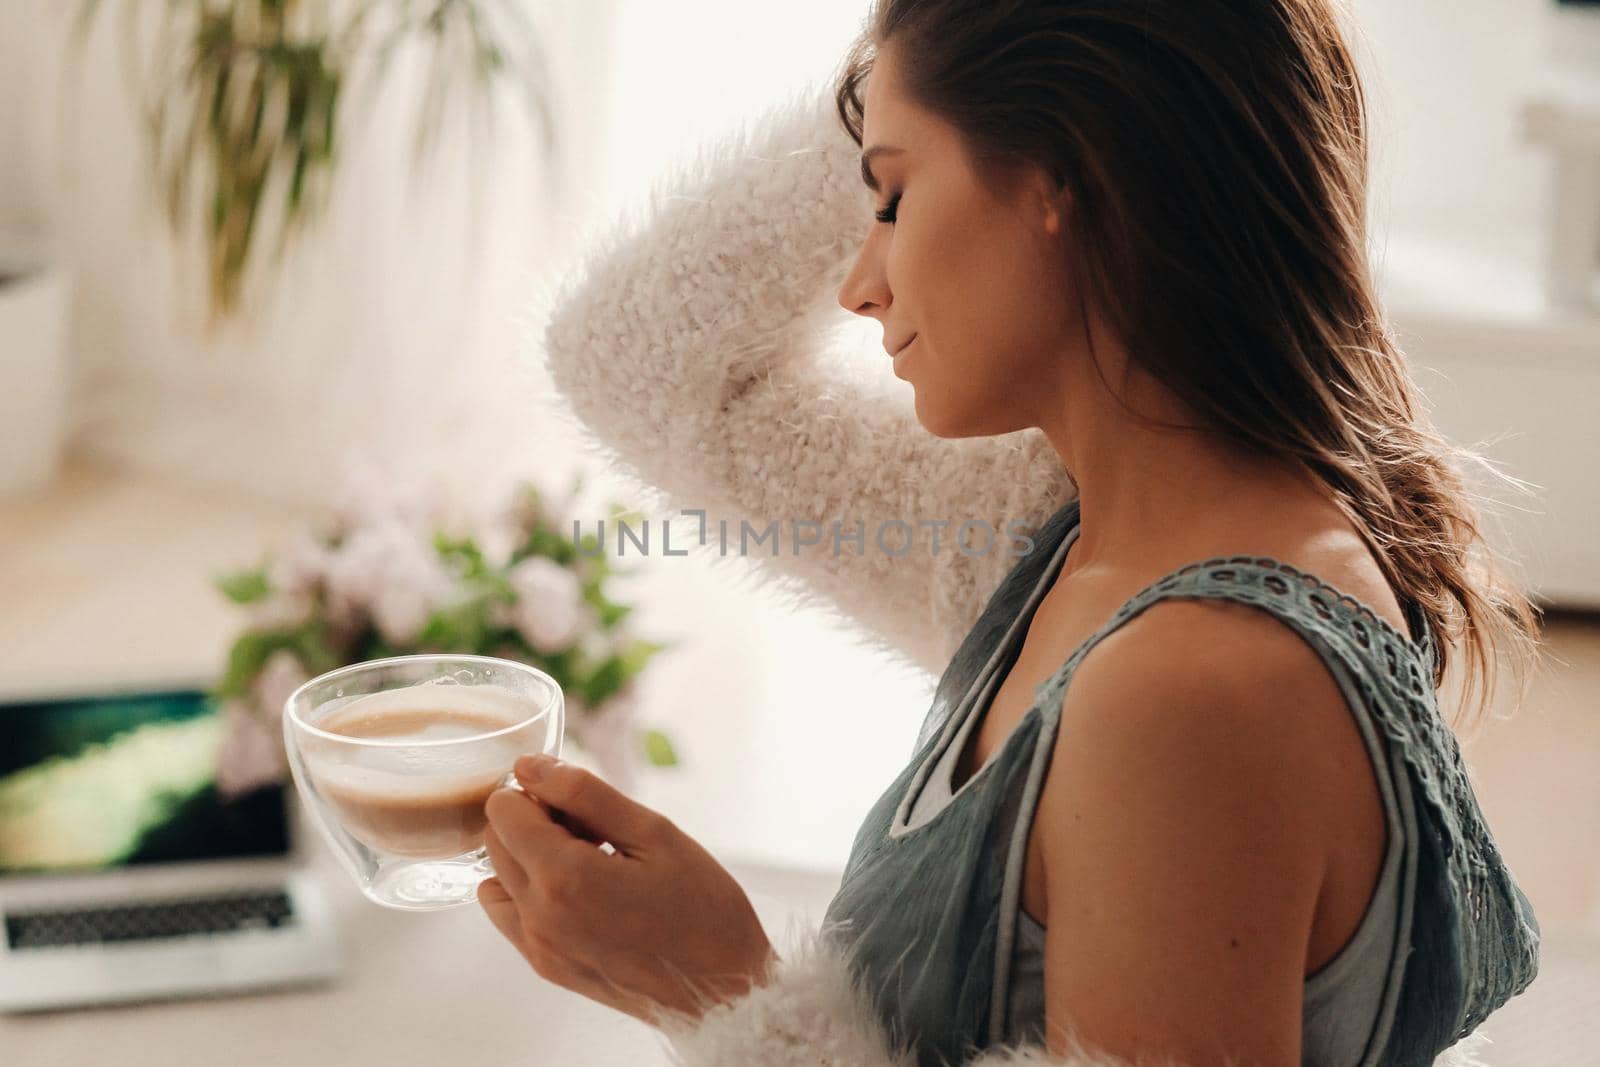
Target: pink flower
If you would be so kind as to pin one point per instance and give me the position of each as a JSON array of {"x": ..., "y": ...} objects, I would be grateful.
[
  {"x": 549, "y": 611},
  {"x": 250, "y": 755},
  {"x": 388, "y": 571},
  {"x": 372, "y": 494},
  {"x": 609, "y": 734},
  {"x": 505, "y": 524},
  {"x": 498, "y": 540},
  {"x": 280, "y": 611},
  {"x": 280, "y": 676},
  {"x": 298, "y": 567}
]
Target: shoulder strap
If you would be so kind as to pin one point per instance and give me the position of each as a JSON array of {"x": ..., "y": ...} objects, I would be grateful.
[
  {"x": 1474, "y": 938},
  {"x": 1004, "y": 603}
]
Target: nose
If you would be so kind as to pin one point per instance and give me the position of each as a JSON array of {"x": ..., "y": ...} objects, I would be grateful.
[{"x": 866, "y": 288}]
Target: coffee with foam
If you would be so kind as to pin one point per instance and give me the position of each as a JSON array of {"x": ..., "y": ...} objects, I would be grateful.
[{"x": 437, "y": 752}]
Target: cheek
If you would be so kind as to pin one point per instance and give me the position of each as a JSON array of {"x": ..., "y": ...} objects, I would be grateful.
[
  {"x": 989, "y": 308},
  {"x": 987, "y": 300},
  {"x": 942, "y": 290}
]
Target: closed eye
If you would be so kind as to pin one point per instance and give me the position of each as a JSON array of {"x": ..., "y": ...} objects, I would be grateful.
[{"x": 888, "y": 213}]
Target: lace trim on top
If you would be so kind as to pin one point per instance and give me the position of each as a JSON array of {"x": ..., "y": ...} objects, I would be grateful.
[
  {"x": 1313, "y": 592},
  {"x": 1499, "y": 946}
]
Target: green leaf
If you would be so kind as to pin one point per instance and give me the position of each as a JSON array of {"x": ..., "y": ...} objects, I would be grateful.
[
  {"x": 497, "y": 587},
  {"x": 605, "y": 681},
  {"x": 559, "y": 665},
  {"x": 463, "y": 552},
  {"x": 463, "y": 627},
  {"x": 658, "y": 749},
  {"x": 639, "y": 653},
  {"x": 311, "y": 646},
  {"x": 632, "y": 517},
  {"x": 535, "y": 502},
  {"x": 248, "y": 655},
  {"x": 543, "y": 541},
  {"x": 593, "y": 550},
  {"x": 245, "y": 587},
  {"x": 611, "y": 614}
]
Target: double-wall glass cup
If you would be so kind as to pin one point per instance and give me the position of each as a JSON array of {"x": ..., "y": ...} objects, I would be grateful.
[{"x": 395, "y": 758}]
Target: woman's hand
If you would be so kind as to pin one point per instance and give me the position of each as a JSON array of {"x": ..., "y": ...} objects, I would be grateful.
[{"x": 653, "y": 928}]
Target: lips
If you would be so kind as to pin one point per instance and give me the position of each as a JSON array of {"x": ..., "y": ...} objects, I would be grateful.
[{"x": 902, "y": 348}]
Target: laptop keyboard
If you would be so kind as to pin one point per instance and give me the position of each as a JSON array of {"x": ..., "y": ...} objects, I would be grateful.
[{"x": 184, "y": 917}]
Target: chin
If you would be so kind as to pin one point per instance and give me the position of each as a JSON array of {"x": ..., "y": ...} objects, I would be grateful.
[
  {"x": 967, "y": 422},
  {"x": 943, "y": 423}
]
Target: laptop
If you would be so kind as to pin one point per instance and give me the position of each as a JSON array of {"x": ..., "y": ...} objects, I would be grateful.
[{"x": 125, "y": 874}]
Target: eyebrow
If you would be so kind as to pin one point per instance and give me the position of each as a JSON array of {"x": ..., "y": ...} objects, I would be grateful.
[{"x": 866, "y": 162}]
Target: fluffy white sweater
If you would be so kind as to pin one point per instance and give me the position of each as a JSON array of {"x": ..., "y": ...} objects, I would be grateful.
[{"x": 690, "y": 348}]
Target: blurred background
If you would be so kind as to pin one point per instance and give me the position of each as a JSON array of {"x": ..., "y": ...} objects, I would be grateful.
[{"x": 188, "y": 414}]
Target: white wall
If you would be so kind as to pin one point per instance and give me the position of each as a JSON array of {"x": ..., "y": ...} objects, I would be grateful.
[
  {"x": 1445, "y": 81},
  {"x": 384, "y": 301},
  {"x": 394, "y": 334},
  {"x": 24, "y": 127}
]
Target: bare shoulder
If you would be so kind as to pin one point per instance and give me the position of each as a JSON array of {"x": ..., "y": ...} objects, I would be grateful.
[
  {"x": 1242, "y": 666},
  {"x": 1221, "y": 692},
  {"x": 1183, "y": 851}
]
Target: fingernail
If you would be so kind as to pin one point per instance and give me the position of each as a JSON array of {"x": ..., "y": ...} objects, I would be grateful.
[{"x": 533, "y": 767}]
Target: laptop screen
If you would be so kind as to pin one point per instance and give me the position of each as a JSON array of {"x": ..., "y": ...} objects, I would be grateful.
[{"x": 89, "y": 783}]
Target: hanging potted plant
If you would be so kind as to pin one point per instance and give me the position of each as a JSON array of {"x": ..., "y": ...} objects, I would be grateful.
[{"x": 243, "y": 104}]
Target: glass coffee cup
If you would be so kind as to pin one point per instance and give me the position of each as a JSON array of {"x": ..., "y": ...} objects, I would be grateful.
[{"x": 395, "y": 758}]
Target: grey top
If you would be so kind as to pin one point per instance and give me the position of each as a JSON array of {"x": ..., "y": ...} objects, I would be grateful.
[
  {"x": 929, "y": 909},
  {"x": 1341, "y": 1000}
]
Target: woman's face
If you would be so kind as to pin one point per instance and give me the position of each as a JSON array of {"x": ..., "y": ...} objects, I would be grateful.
[{"x": 976, "y": 279}]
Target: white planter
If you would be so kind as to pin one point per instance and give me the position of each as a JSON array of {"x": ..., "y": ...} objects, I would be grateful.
[{"x": 33, "y": 311}]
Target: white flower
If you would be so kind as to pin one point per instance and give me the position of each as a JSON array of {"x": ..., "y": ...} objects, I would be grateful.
[
  {"x": 598, "y": 644},
  {"x": 373, "y": 494},
  {"x": 292, "y": 578},
  {"x": 498, "y": 540},
  {"x": 355, "y": 569},
  {"x": 502, "y": 614},
  {"x": 297, "y": 568},
  {"x": 251, "y": 752},
  {"x": 506, "y": 521},
  {"x": 280, "y": 611},
  {"x": 609, "y": 734},
  {"x": 550, "y": 611},
  {"x": 280, "y": 676},
  {"x": 391, "y": 572}
]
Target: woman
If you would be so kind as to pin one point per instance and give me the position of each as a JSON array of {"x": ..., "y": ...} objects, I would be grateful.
[{"x": 1117, "y": 249}]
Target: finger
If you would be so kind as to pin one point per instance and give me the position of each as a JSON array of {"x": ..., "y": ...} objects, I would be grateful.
[
  {"x": 506, "y": 867},
  {"x": 527, "y": 830},
  {"x": 605, "y": 811},
  {"x": 501, "y": 909},
  {"x": 575, "y": 826}
]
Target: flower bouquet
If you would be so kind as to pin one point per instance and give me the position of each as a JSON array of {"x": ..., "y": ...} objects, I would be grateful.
[{"x": 383, "y": 582}]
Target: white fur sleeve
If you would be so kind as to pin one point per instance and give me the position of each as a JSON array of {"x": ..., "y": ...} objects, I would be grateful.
[
  {"x": 688, "y": 346},
  {"x": 811, "y": 1014}
]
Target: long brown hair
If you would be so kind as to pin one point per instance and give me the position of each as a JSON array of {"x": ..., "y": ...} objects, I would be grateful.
[{"x": 1215, "y": 155}]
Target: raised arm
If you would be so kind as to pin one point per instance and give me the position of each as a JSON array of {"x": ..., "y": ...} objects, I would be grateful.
[{"x": 690, "y": 346}]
